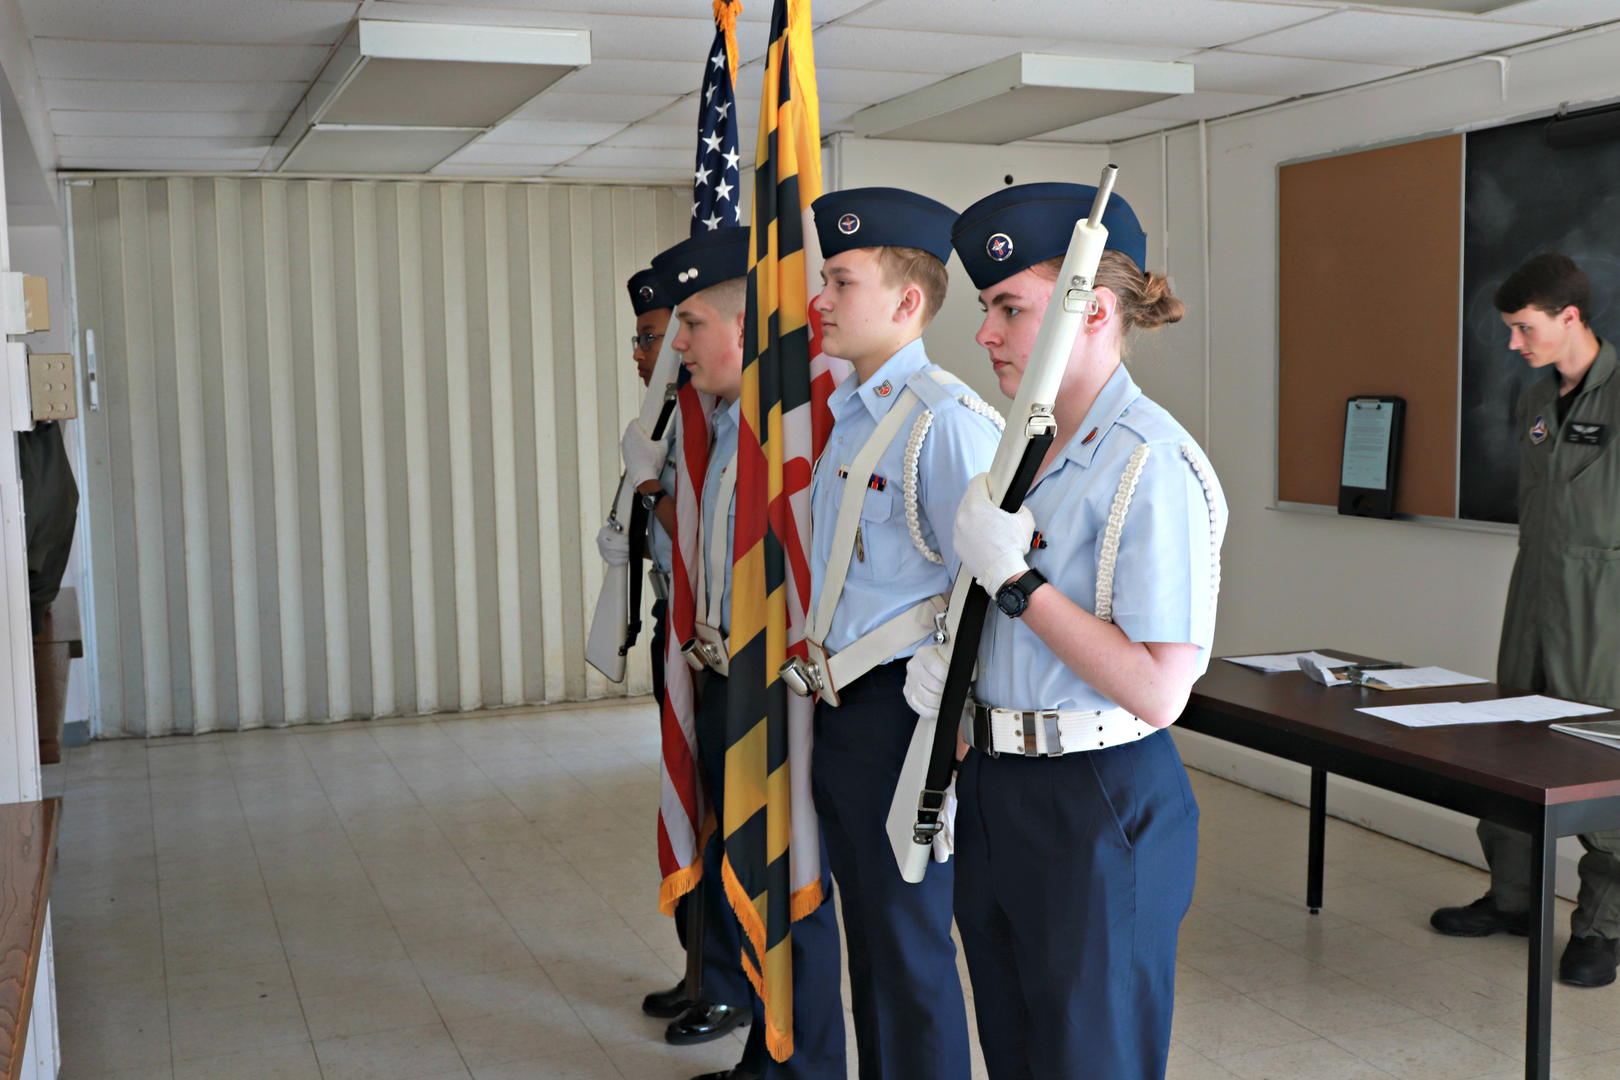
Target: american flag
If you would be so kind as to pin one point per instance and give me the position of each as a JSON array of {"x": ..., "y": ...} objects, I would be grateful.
[{"x": 715, "y": 198}]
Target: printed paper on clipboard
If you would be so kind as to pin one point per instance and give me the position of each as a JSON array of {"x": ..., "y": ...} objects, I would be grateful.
[{"x": 1372, "y": 456}]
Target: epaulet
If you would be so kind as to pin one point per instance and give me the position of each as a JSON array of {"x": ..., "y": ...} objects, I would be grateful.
[{"x": 1151, "y": 423}]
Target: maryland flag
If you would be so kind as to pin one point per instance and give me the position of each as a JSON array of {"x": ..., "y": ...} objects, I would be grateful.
[{"x": 772, "y": 869}]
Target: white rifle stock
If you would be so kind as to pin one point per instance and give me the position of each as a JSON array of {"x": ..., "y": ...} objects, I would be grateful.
[
  {"x": 919, "y": 797},
  {"x": 617, "y": 618}
]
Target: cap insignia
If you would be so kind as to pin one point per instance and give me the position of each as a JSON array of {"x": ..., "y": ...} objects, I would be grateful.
[
  {"x": 849, "y": 224},
  {"x": 999, "y": 247},
  {"x": 646, "y": 293}
]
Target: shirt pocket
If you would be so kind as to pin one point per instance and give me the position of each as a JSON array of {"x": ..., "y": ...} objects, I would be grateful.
[{"x": 881, "y": 525}]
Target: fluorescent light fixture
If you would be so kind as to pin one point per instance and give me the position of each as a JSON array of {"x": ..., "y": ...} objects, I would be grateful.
[
  {"x": 1021, "y": 96},
  {"x": 425, "y": 81},
  {"x": 1467, "y": 7}
]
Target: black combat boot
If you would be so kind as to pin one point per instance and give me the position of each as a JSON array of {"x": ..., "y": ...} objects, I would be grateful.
[{"x": 1482, "y": 918}]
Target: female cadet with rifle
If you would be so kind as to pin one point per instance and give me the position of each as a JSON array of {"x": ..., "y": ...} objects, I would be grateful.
[{"x": 1077, "y": 832}]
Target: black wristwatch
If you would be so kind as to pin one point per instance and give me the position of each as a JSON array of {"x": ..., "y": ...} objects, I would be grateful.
[
  {"x": 1013, "y": 597},
  {"x": 649, "y": 499}
]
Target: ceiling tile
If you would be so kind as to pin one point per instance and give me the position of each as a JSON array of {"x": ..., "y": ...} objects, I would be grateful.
[
  {"x": 1252, "y": 73},
  {"x": 450, "y": 168},
  {"x": 261, "y": 22},
  {"x": 634, "y": 77},
  {"x": 553, "y": 105},
  {"x": 1387, "y": 37},
  {"x": 238, "y": 150},
  {"x": 1104, "y": 129},
  {"x": 867, "y": 87},
  {"x": 1192, "y": 23},
  {"x": 604, "y": 172},
  {"x": 878, "y": 49},
  {"x": 169, "y": 164},
  {"x": 109, "y": 95},
  {"x": 641, "y": 36},
  {"x": 561, "y": 132},
  {"x": 657, "y": 136},
  {"x": 62, "y": 59},
  {"x": 636, "y": 158},
  {"x": 1201, "y": 105},
  {"x": 1559, "y": 12},
  {"x": 484, "y": 153},
  {"x": 757, "y": 11},
  {"x": 171, "y": 124}
]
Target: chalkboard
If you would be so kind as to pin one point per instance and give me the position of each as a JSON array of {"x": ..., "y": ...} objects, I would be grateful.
[{"x": 1523, "y": 198}]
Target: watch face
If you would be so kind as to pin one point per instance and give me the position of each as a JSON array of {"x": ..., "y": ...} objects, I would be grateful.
[{"x": 1011, "y": 600}]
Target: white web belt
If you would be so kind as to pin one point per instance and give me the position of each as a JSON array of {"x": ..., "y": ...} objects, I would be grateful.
[
  {"x": 823, "y": 674},
  {"x": 1052, "y": 732},
  {"x": 709, "y": 648}
]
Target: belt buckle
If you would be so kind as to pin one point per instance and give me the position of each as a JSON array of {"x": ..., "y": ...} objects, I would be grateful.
[{"x": 1054, "y": 739}]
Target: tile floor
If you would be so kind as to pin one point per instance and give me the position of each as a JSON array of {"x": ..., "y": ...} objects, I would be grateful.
[{"x": 473, "y": 898}]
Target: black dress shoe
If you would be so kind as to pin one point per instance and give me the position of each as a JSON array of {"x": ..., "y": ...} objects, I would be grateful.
[
  {"x": 667, "y": 1004},
  {"x": 1589, "y": 961},
  {"x": 705, "y": 1022},
  {"x": 1482, "y": 918}
]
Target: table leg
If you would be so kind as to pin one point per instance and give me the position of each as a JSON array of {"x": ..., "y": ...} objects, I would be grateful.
[
  {"x": 1538, "y": 1018},
  {"x": 1318, "y": 839}
]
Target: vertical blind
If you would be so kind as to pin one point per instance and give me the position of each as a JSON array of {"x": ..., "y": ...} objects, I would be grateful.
[{"x": 354, "y": 441}]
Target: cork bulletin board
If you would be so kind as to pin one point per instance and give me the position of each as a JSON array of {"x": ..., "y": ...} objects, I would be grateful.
[{"x": 1370, "y": 265}]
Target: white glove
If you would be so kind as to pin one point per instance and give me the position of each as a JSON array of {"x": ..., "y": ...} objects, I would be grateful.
[
  {"x": 643, "y": 457},
  {"x": 925, "y": 680},
  {"x": 945, "y": 839},
  {"x": 614, "y": 546},
  {"x": 991, "y": 542}
]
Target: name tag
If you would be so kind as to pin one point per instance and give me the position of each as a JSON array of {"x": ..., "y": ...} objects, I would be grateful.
[{"x": 1586, "y": 434}]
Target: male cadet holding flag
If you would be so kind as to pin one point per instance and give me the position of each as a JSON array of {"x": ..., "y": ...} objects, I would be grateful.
[
  {"x": 906, "y": 439},
  {"x": 706, "y": 278},
  {"x": 723, "y": 1004}
]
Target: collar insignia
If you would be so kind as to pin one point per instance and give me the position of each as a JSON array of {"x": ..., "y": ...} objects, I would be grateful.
[
  {"x": 885, "y": 389},
  {"x": 1538, "y": 431}
]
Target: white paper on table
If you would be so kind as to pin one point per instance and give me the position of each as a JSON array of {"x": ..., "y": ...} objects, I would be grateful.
[
  {"x": 1321, "y": 673},
  {"x": 1434, "y": 714},
  {"x": 1271, "y": 663},
  {"x": 1419, "y": 677},
  {"x": 1535, "y": 707}
]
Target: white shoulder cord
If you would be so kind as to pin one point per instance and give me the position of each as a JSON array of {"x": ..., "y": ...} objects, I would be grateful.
[
  {"x": 919, "y": 432},
  {"x": 1116, "y": 522},
  {"x": 1216, "y": 527}
]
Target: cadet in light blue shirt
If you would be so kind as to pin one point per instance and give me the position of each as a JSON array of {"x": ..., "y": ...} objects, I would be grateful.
[
  {"x": 885, "y": 278},
  {"x": 721, "y": 455},
  {"x": 1077, "y": 833}
]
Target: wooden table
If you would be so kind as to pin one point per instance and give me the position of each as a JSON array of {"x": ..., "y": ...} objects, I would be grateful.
[
  {"x": 27, "y": 858},
  {"x": 1521, "y": 775}
]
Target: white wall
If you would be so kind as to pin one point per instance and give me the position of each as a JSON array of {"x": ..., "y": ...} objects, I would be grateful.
[{"x": 1392, "y": 589}]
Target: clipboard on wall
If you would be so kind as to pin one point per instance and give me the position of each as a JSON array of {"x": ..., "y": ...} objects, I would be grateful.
[{"x": 1372, "y": 455}]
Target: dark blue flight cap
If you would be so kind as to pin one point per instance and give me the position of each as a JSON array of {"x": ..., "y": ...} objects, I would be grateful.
[
  {"x": 700, "y": 261},
  {"x": 647, "y": 292},
  {"x": 882, "y": 217},
  {"x": 1020, "y": 226}
]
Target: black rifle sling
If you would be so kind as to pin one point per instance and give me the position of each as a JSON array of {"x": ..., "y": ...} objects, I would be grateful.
[
  {"x": 638, "y": 542},
  {"x": 964, "y": 655}
]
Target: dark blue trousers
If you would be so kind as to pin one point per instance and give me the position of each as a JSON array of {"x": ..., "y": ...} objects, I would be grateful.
[
  {"x": 1073, "y": 874},
  {"x": 818, "y": 999},
  {"x": 910, "y": 1021}
]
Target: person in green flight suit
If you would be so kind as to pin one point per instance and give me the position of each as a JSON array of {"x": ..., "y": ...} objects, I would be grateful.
[{"x": 1561, "y": 630}]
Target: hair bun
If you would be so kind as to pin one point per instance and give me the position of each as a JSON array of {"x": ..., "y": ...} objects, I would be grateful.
[{"x": 1157, "y": 305}]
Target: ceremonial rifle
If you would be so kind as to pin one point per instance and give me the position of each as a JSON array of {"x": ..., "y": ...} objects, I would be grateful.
[
  {"x": 617, "y": 619},
  {"x": 915, "y": 815}
]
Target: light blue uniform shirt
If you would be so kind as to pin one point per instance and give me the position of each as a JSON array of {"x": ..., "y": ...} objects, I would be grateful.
[
  {"x": 660, "y": 545},
  {"x": 895, "y": 576},
  {"x": 726, "y": 421},
  {"x": 1166, "y": 573}
]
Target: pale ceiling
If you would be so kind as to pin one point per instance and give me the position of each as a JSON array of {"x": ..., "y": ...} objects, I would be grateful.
[{"x": 206, "y": 84}]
